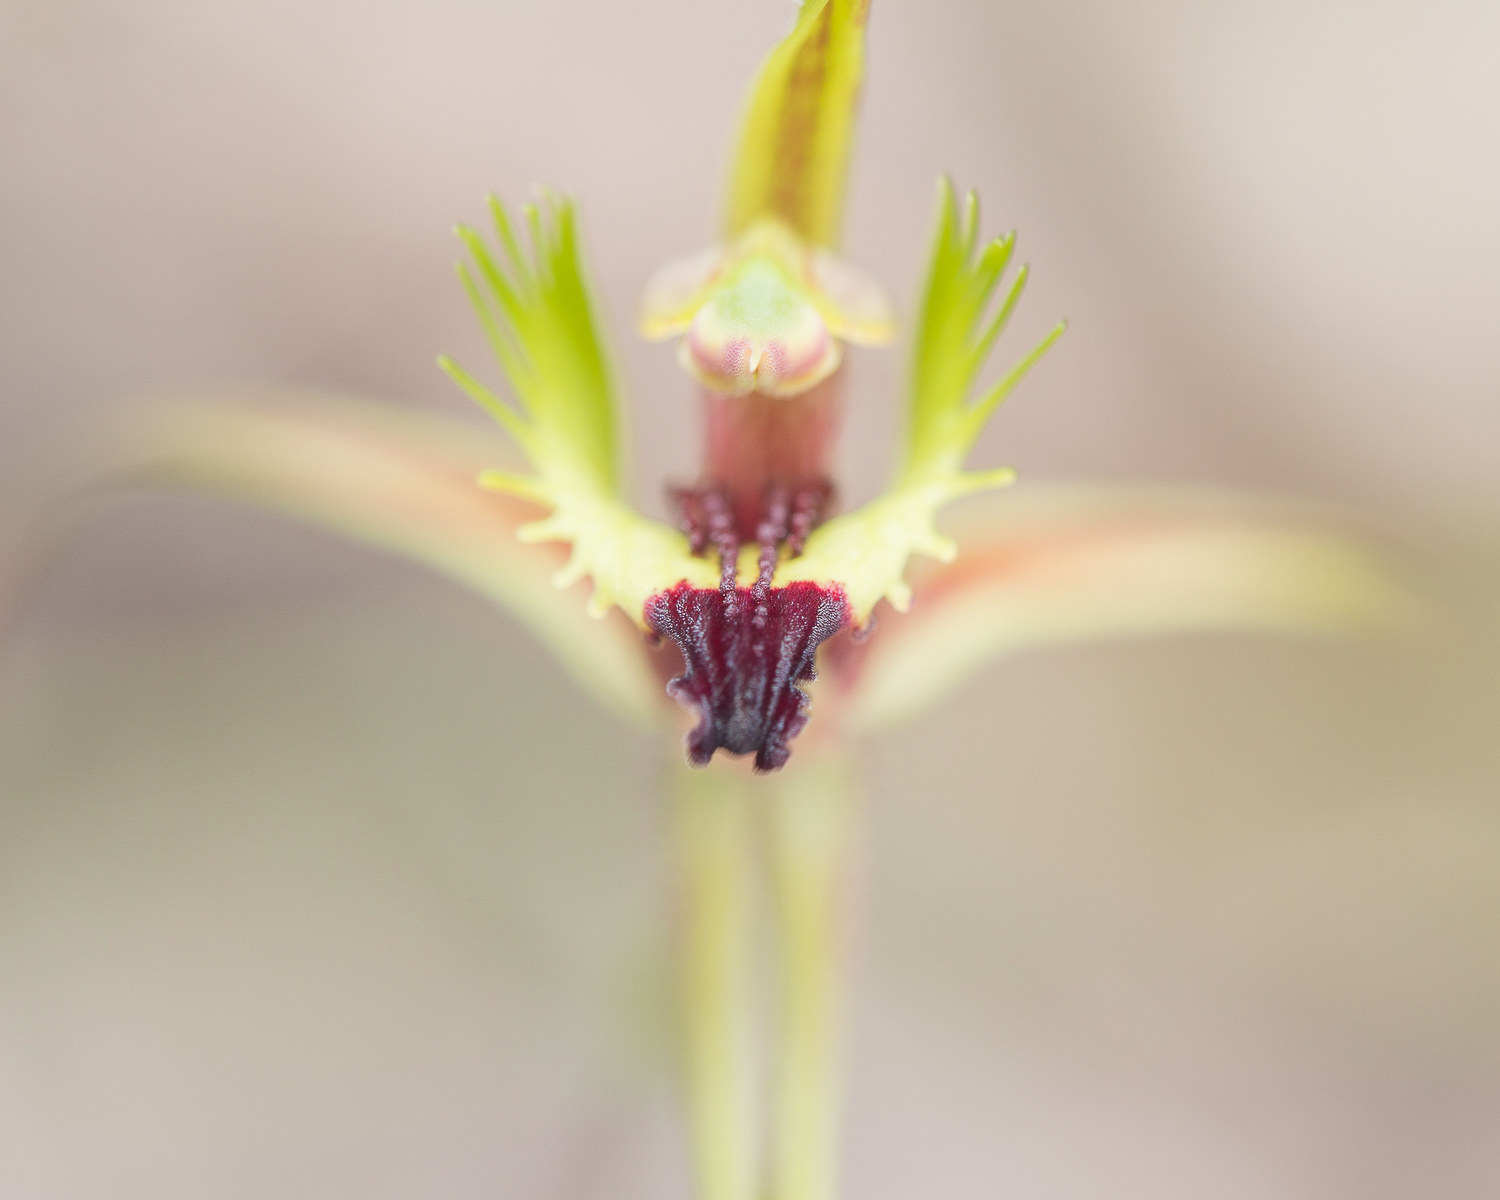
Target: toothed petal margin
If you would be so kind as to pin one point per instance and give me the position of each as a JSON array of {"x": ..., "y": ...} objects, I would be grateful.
[
  {"x": 865, "y": 552},
  {"x": 629, "y": 557}
]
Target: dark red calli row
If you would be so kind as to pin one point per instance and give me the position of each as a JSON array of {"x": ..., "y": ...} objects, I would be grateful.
[{"x": 747, "y": 650}]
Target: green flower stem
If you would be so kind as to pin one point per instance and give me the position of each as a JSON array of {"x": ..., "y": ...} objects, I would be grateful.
[
  {"x": 809, "y": 849},
  {"x": 715, "y": 885},
  {"x": 805, "y": 812}
]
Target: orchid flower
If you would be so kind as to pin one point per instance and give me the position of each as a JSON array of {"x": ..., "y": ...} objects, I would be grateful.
[{"x": 729, "y": 611}]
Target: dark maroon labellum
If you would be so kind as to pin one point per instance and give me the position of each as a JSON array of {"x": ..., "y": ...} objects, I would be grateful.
[{"x": 746, "y": 652}]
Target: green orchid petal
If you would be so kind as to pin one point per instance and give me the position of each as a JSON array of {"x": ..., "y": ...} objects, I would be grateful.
[
  {"x": 764, "y": 313},
  {"x": 628, "y": 557},
  {"x": 1072, "y": 564},
  {"x": 793, "y": 152},
  {"x": 954, "y": 337},
  {"x": 381, "y": 474},
  {"x": 866, "y": 551},
  {"x": 537, "y": 312}
]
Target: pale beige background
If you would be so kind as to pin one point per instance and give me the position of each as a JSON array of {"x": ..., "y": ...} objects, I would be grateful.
[{"x": 316, "y": 881}]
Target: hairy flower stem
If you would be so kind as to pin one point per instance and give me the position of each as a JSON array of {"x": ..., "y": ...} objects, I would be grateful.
[{"x": 805, "y": 813}]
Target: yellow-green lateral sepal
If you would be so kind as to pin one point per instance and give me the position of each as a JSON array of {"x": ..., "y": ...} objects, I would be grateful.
[{"x": 793, "y": 151}]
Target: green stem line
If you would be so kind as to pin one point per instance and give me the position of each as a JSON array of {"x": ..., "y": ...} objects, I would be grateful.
[
  {"x": 809, "y": 850},
  {"x": 712, "y": 821}
]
